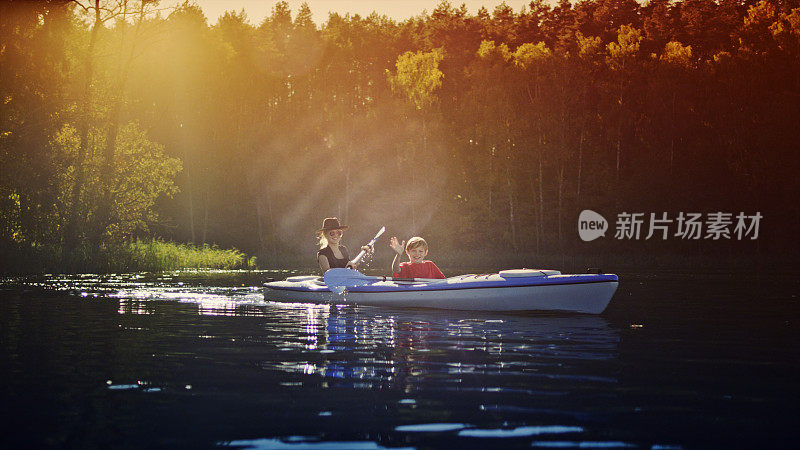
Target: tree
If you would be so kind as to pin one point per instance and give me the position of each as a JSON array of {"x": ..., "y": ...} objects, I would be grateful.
[
  {"x": 676, "y": 62},
  {"x": 417, "y": 79},
  {"x": 102, "y": 14},
  {"x": 141, "y": 174},
  {"x": 622, "y": 60},
  {"x": 34, "y": 75},
  {"x": 128, "y": 47}
]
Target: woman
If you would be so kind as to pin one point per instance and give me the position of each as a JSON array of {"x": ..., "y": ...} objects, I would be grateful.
[{"x": 331, "y": 253}]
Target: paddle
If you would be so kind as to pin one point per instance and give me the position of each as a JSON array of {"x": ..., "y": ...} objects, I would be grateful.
[
  {"x": 338, "y": 280},
  {"x": 371, "y": 243}
]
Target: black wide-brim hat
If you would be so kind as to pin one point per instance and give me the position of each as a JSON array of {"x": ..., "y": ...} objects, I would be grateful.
[{"x": 331, "y": 223}]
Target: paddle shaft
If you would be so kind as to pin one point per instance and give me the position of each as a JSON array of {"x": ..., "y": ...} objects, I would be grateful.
[{"x": 370, "y": 244}]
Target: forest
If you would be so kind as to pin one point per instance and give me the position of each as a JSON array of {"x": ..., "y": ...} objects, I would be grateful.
[{"x": 485, "y": 133}]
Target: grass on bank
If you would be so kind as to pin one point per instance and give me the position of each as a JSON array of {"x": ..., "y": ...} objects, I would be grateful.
[
  {"x": 136, "y": 256},
  {"x": 157, "y": 255}
]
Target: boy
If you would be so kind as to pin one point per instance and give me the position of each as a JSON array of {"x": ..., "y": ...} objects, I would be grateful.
[{"x": 417, "y": 267}]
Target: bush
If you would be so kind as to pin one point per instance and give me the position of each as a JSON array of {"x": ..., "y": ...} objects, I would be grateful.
[{"x": 158, "y": 255}]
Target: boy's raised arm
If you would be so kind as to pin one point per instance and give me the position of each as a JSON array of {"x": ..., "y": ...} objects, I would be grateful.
[{"x": 398, "y": 249}]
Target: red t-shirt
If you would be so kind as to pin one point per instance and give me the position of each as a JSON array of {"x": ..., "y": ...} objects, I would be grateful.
[{"x": 425, "y": 269}]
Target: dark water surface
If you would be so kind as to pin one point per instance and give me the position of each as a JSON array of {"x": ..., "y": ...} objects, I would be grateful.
[{"x": 197, "y": 360}]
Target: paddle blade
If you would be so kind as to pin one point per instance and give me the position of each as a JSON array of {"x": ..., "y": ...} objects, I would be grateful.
[
  {"x": 338, "y": 280},
  {"x": 380, "y": 232}
]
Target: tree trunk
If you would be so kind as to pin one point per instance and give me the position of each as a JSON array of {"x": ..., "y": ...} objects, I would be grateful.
[
  {"x": 76, "y": 211},
  {"x": 271, "y": 222},
  {"x": 260, "y": 226},
  {"x": 511, "y": 223},
  {"x": 489, "y": 178},
  {"x": 103, "y": 217},
  {"x": 560, "y": 204},
  {"x": 619, "y": 149},
  {"x": 532, "y": 181},
  {"x": 541, "y": 197},
  {"x": 205, "y": 217},
  {"x": 349, "y": 163},
  {"x": 189, "y": 185},
  {"x": 580, "y": 162},
  {"x": 672, "y": 134},
  {"x": 619, "y": 133}
]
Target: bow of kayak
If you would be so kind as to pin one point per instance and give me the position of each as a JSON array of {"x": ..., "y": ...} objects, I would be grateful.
[{"x": 508, "y": 290}]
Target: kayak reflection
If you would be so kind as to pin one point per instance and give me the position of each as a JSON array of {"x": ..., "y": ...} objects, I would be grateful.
[{"x": 407, "y": 350}]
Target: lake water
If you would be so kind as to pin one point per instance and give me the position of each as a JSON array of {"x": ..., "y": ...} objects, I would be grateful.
[{"x": 198, "y": 360}]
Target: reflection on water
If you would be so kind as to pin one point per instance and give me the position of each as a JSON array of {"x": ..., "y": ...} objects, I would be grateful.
[
  {"x": 367, "y": 348},
  {"x": 209, "y": 301},
  {"x": 167, "y": 360}
]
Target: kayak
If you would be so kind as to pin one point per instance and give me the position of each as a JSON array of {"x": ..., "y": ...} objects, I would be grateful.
[{"x": 507, "y": 290}]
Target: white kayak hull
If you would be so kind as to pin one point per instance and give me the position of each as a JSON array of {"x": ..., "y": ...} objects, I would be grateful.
[{"x": 587, "y": 293}]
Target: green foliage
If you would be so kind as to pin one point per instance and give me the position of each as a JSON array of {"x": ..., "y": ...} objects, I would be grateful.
[
  {"x": 757, "y": 35},
  {"x": 142, "y": 173},
  {"x": 677, "y": 54},
  {"x": 418, "y": 76},
  {"x": 588, "y": 47},
  {"x": 10, "y": 218},
  {"x": 492, "y": 52},
  {"x": 529, "y": 54},
  {"x": 627, "y": 46},
  {"x": 786, "y": 31}
]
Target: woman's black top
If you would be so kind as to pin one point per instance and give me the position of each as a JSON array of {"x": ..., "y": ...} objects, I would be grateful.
[{"x": 332, "y": 260}]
